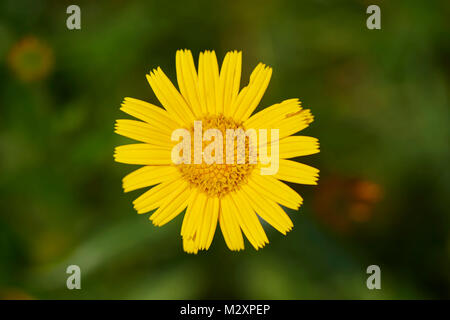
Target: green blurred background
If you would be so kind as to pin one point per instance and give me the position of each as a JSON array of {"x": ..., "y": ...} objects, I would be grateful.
[{"x": 381, "y": 104}]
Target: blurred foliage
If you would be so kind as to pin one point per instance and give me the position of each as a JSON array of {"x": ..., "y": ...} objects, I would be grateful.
[{"x": 381, "y": 103}]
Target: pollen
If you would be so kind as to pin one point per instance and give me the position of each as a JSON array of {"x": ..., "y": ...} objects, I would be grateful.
[{"x": 218, "y": 179}]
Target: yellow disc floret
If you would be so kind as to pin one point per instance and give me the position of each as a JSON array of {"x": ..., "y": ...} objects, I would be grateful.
[{"x": 218, "y": 179}]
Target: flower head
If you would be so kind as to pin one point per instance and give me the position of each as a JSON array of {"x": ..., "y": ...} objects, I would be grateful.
[{"x": 191, "y": 160}]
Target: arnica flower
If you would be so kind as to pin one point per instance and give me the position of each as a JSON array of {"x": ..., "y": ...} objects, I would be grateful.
[{"x": 236, "y": 196}]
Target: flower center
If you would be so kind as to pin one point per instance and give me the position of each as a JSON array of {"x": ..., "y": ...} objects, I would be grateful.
[{"x": 218, "y": 179}]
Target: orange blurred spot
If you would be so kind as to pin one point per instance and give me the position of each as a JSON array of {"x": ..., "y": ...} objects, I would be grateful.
[
  {"x": 30, "y": 59},
  {"x": 14, "y": 294},
  {"x": 343, "y": 203}
]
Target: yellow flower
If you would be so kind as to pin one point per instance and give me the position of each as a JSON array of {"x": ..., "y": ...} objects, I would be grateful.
[{"x": 234, "y": 195}]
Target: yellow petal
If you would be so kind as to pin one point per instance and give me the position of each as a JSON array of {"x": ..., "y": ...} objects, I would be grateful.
[
  {"x": 296, "y": 172},
  {"x": 230, "y": 77},
  {"x": 267, "y": 209},
  {"x": 188, "y": 81},
  {"x": 194, "y": 215},
  {"x": 270, "y": 116},
  {"x": 249, "y": 97},
  {"x": 174, "y": 204},
  {"x": 143, "y": 153},
  {"x": 143, "y": 132},
  {"x": 296, "y": 146},
  {"x": 294, "y": 123},
  {"x": 148, "y": 176},
  {"x": 248, "y": 221},
  {"x": 208, "y": 75},
  {"x": 228, "y": 208},
  {"x": 204, "y": 222},
  {"x": 155, "y": 116},
  {"x": 189, "y": 245},
  {"x": 170, "y": 98},
  {"x": 275, "y": 190},
  {"x": 187, "y": 215},
  {"x": 156, "y": 196},
  {"x": 206, "y": 230},
  {"x": 230, "y": 229}
]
